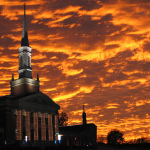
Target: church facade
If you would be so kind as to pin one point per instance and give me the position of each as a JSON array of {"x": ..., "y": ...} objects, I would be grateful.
[{"x": 27, "y": 115}]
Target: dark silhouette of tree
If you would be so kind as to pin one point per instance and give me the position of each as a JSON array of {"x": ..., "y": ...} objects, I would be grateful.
[
  {"x": 63, "y": 118},
  {"x": 115, "y": 137},
  {"x": 141, "y": 140}
]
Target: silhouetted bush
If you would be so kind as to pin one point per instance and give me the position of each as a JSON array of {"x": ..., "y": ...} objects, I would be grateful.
[
  {"x": 115, "y": 137},
  {"x": 63, "y": 118}
]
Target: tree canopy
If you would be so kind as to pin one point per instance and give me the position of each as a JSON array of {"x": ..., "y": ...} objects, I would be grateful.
[
  {"x": 115, "y": 137},
  {"x": 63, "y": 118}
]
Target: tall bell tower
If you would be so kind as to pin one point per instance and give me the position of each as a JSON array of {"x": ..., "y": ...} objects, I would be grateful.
[{"x": 25, "y": 84}]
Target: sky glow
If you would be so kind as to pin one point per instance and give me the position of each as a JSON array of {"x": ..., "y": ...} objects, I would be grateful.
[{"x": 92, "y": 52}]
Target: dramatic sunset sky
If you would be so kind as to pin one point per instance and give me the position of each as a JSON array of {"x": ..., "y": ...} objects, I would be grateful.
[{"x": 91, "y": 52}]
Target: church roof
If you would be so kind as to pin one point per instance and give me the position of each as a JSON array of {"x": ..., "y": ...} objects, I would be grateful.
[
  {"x": 24, "y": 41},
  {"x": 36, "y": 101},
  {"x": 40, "y": 98}
]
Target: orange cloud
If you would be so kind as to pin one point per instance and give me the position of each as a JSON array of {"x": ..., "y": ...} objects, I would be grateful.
[
  {"x": 112, "y": 105},
  {"x": 40, "y": 56},
  {"x": 70, "y": 95}
]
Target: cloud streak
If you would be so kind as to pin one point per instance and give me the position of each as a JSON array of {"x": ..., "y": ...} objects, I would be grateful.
[{"x": 86, "y": 52}]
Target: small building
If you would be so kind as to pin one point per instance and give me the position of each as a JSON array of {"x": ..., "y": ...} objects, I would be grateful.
[
  {"x": 79, "y": 135},
  {"x": 27, "y": 116}
]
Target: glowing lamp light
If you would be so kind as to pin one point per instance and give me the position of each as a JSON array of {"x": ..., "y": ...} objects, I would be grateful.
[
  {"x": 59, "y": 137},
  {"x": 26, "y": 138}
]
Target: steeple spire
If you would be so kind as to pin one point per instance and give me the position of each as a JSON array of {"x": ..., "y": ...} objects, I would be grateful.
[
  {"x": 25, "y": 70},
  {"x": 84, "y": 116},
  {"x": 24, "y": 40}
]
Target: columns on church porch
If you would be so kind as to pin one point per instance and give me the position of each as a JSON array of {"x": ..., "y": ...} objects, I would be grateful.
[
  {"x": 43, "y": 127},
  {"x": 56, "y": 127},
  {"x": 48, "y": 126},
  {"x": 35, "y": 126},
  {"x": 18, "y": 125},
  {"x": 27, "y": 125}
]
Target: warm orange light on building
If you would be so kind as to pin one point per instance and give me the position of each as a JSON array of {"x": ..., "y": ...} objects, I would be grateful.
[
  {"x": 35, "y": 122},
  {"x": 27, "y": 124},
  {"x": 56, "y": 127},
  {"x": 43, "y": 127},
  {"x": 50, "y": 127},
  {"x": 18, "y": 125}
]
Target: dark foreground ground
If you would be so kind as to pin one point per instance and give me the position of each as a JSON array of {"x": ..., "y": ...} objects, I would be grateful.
[{"x": 145, "y": 146}]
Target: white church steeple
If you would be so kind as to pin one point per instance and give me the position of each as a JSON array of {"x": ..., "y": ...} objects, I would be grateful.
[
  {"x": 25, "y": 69},
  {"x": 25, "y": 84}
]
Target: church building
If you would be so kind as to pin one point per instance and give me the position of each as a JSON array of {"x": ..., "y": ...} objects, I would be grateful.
[
  {"x": 27, "y": 115},
  {"x": 83, "y": 135}
]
